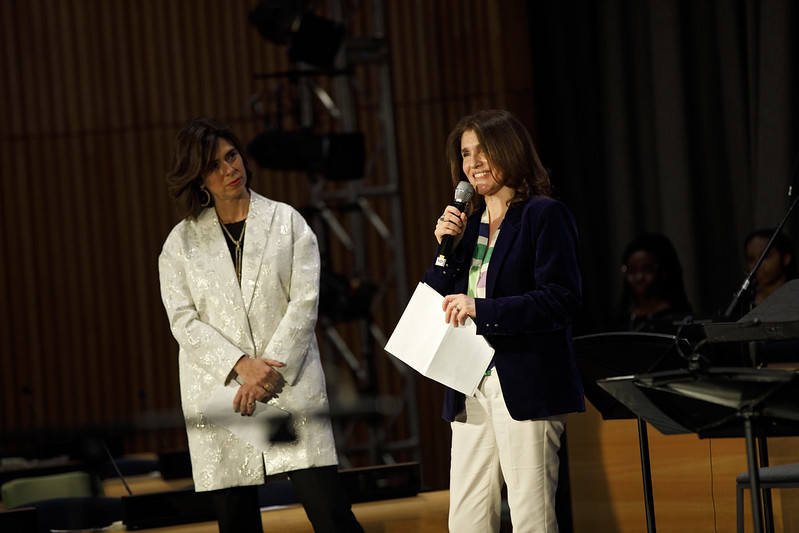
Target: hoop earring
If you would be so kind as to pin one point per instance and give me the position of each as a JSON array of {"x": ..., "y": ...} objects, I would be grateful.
[{"x": 205, "y": 202}]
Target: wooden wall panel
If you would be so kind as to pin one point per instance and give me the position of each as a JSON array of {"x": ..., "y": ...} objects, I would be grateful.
[
  {"x": 693, "y": 480},
  {"x": 93, "y": 93}
]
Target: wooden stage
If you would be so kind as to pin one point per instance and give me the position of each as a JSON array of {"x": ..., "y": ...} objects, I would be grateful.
[
  {"x": 693, "y": 485},
  {"x": 424, "y": 513}
]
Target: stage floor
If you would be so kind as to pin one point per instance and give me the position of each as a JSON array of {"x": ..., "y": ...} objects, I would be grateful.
[{"x": 424, "y": 513}]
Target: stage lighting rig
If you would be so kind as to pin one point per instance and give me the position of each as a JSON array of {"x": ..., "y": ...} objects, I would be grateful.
[
  {"x": 337, "y": 156},
  {"x": 310, "y": 39}
]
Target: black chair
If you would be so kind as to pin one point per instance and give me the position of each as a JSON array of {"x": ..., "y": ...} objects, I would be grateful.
[{"x": 769, "y": 477}]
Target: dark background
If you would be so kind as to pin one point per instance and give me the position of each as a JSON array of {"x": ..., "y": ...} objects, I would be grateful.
[{"x": 657, "y": 115}]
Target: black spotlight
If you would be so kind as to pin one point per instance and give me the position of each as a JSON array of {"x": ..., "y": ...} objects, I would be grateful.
[
  {"x": 338, "y": 156},
  {"x": 342, "y": 299},
  {"x": 310, "y": 39}
]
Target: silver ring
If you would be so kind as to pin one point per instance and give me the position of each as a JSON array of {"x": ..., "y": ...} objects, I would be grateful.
[
  {"x": 441, "y": 218},
  {"x": 251, "y": 404},
  {"x": 458, "y": 309}
]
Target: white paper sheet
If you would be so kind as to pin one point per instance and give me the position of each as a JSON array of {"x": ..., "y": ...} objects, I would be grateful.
[
  {"x": 456, "y": 357},
  {"x": 254, "y": 429}
]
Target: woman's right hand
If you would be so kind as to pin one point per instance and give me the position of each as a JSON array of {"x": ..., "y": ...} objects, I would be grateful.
[
  {"x": 451, "y": 222},
  {"x": 259, "y": 371},
  {"x": 261, "y": 382}
]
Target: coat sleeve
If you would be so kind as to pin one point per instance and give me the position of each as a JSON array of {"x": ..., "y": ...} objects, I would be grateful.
[
  {"x": 295, "y": 332},
  {"x": 201, "y": 344}
]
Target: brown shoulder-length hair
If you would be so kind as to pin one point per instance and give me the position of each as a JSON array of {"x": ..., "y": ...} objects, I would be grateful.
[
  {"x": 193, "y": 155},
  {"x": 509, "y": 149}
]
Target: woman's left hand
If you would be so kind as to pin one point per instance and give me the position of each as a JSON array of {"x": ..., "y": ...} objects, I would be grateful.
[
  {"x": 456, "y": 308},
  {"x": 248, "y": 396}
]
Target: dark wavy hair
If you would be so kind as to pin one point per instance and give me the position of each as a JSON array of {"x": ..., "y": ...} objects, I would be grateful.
[
  {"x": 193, "y": 155},
  {"x": 782, "y": 243},
  {"x": 672, "y": 287},
  {"x": 509, "y": 148}
]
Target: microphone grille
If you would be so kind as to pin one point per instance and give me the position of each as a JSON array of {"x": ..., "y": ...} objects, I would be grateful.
[{"x": 464, "y": 192}]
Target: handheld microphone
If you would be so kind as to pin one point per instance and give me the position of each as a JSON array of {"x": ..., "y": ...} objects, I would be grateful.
[{"x": 463, "y": 193}]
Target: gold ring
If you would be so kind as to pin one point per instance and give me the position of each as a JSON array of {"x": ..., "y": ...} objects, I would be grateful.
[{"x": 269, "y": 387}]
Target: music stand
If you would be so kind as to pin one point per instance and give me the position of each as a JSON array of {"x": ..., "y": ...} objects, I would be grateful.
[
  {"x": 606, "y": 355},
  {"x": 777, "y": 318},
  {"x": 716, "y": 402}
]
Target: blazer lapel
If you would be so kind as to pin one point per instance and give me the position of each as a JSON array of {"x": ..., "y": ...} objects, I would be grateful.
[
  {"x": 259, "y": 221},
  {"x": 213, "y": 240},
  {"x": 506, "y": 240}
]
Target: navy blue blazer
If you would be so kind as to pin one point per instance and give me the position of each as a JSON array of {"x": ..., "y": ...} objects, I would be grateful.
[{"x": 533, "y": 291}]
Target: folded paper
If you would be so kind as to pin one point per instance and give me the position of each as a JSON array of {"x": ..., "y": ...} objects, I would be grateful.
[{"x": 455, "y": 357}]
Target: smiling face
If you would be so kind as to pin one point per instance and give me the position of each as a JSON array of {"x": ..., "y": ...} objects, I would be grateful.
[
  {"x": 227, "y": 179},
  {"x": 486, "y": 180}
]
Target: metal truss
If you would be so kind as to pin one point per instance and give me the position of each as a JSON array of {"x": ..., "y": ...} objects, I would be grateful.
[{"x": 345, "y": 219}]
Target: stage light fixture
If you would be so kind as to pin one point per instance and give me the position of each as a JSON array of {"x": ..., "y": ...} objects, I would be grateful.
[
  {"x": 343, "y": 298},
  {"x": 310, "y": 39},
  {"x": 338, "y": 156}
]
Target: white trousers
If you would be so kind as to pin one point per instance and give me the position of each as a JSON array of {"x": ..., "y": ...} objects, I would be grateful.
[{"x": 490, "y": 449}]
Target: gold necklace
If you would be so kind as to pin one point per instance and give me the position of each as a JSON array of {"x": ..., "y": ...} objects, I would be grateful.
[{"x": 237, "y": 244}]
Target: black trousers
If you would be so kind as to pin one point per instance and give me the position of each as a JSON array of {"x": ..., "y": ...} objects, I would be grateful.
[
  {"x": 319, "y": 490},
  {"x": 238, "y": 510}
]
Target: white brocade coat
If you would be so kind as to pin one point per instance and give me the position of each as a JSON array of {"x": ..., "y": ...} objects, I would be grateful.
[{"x": 272, "y": 314}]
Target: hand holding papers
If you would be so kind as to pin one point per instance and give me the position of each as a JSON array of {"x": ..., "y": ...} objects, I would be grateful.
[{"x": 456, "y": 357}]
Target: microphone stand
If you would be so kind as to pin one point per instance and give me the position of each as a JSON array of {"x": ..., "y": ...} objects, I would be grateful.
[
  {"x": 753, "y": 272},
  {"x": 753, "y": 353}
]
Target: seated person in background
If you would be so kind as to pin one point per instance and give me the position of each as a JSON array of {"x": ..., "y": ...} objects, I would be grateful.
[
  {"x": 653, "y": 297},
  {"x": 777, "y": 268}
]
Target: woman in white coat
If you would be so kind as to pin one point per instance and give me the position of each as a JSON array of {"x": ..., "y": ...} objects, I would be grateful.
[{"x": 239, "y": 279}]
